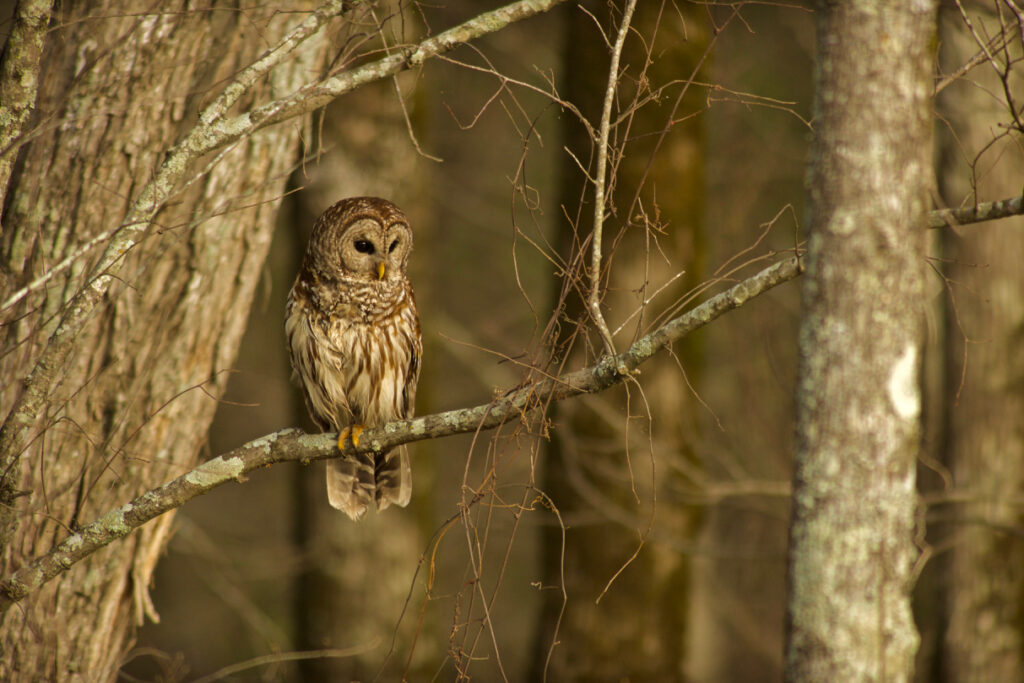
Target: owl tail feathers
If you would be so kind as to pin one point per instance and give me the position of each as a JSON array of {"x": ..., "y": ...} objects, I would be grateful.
[
  {"x": 355, "y": 483},
  {"x": 394, "y": 479},
  {"x": 350, "y": 484}
]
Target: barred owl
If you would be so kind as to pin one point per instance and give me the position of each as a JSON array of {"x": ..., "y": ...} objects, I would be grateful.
[{"x": 354, "y": 339}]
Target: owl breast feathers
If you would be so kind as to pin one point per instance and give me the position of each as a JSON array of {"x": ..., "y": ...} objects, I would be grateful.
[{"x": 354, "y": 338}]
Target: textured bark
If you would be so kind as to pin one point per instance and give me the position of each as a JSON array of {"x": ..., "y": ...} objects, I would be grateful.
[
  {"x": 19, "y": 82},
  {"x": 126, "y": 410},
  {"x": 982, "y": 442},
  {"x": 112, "y": 363},
  {"x": 858, "y": 402}
]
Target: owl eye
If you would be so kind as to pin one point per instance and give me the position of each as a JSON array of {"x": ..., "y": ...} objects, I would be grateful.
[
  {"x": 392, "y": 247},
  {"x": 364, "y": 247}
]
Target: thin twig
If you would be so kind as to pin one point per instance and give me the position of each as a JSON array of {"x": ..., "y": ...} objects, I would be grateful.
[
  {"x": 599, "y": 182},
  {"x": 961, "y": 71},
  {"x": 983, "y": 44},
  {"x": 265, "y": 660}
]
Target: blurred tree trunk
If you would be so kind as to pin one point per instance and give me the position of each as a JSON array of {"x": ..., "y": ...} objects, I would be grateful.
[
  {"x": 599, "y": 466},
  {"x": 131, "y": 407},
  {"x": 982, "y": 419},
  {"x": 746, "y": 435},
  {"x": 858, "y": 401},
  {"x": 356, "y": 577}
]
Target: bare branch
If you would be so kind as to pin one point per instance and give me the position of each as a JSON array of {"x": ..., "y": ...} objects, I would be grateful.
[
  {"x": 44, "y": 375},
  {"x": 292, "y": 445},
  {"x": 159, "y": 189},
  {"x": 985, "y": 211},
  {"x": 594, "y": 300}
]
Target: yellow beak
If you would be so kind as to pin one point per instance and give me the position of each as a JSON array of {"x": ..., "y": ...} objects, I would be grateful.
[{"x": 380, "y": 270}]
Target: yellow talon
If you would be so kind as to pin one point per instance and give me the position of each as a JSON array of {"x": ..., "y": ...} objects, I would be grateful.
[{"x": 353, "y": 431}]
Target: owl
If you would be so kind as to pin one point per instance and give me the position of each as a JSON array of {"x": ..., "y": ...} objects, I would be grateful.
[{"x": 354, "y": 339}]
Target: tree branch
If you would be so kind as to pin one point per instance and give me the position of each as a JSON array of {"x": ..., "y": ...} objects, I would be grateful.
[
  {"x": 214, "y": 132},
  {"x": 985, "y": 211},
  {"x": 292, "y": 445},
  {"x": 594, "y": 300},
  {"x": 45, "y": 374}
]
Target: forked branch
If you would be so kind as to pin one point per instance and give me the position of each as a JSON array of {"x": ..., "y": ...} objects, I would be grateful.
[{"x": 291, "y": 445}]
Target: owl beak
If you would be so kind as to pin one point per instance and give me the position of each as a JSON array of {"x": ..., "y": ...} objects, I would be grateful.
[{"x": 381, "y": 267}]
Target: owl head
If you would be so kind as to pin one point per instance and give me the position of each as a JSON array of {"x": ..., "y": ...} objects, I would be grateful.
[{"x": 365, "y": 238}]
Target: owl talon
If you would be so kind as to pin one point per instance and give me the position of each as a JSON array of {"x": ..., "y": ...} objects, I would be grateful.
[{"x": 352, "y": 431}]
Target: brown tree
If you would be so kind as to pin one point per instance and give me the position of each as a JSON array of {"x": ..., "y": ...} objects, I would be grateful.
[
  {"x": 127, "y": 346},
  {"x": 979, "y": 426},
  {"x": 136, "y": 222}
]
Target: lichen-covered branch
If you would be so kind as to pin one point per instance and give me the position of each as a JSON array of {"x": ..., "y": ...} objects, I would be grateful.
[
  {"x": 215, "y": 131},
  {"x": 292, "y": 445},
  {"x": 44, "y": 376},
  {"x": 600, "y": 173},
  {"x": 985, "y": 211}
]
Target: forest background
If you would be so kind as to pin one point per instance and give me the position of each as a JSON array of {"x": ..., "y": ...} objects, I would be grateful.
[{"x": 635, "y": 533}]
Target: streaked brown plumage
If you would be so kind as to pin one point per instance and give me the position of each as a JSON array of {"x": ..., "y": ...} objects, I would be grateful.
[{"x": 354, "y": 339}]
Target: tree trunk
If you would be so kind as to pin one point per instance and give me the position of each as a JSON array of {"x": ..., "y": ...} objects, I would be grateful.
[
  {"x": 858, "y": 403},
  {"x": 356, "y": 577},
  {"x": 131, "y": 406},
  {"x": 982, "y": 443}
]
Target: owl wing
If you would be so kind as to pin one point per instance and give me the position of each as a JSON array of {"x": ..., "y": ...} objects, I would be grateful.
[
  {"x": 316, "y": 362},
  {"x": 412, "y": 377},
  {"x": 393, "y": 472},
  {"x": 351, "y": 480}
]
